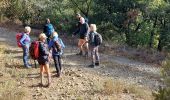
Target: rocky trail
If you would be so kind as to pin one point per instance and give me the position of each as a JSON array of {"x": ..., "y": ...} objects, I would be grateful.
[{"x": 117, "y": 78}]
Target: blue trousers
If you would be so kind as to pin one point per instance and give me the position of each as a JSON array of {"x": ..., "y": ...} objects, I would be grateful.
[{"x": 25, "y": 55}]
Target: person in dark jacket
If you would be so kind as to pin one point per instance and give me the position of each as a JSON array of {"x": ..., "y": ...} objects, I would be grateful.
[
  {"x": 48, "y": 29},
  {"x": 25, "y": 42},
  {"x": 43, "y": 58},
  {"x": 56, "y": 53},
  {"x": 83, "y": 33}
]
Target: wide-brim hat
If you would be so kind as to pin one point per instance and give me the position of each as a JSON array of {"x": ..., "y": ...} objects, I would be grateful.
[{"x": 42, "y": 36}]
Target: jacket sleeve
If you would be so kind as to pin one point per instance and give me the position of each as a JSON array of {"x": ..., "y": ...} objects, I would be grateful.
[
  {"x": 62, "y": 44},
  {"x": 23, "y": 39},
  {"x": 77, "y": 29},
  {"x": 44, "y": 49},
  {"x": 50, "y": 44},
  {"x": 86, "y": 30},
  {"x": 45, "y": 29}
]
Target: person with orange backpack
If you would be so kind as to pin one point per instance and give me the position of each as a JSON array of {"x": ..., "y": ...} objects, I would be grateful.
[
  {"x": 25, "y": 44},
  {"x": 43, "y": 58}
]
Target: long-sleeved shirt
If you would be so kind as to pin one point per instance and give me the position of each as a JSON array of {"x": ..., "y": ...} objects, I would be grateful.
[
  {"x": 25, "y": 40},
  {"x": 83, "y": 31}
]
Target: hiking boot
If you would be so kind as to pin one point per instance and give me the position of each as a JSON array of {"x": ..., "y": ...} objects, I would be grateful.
[
  {"x": 80, "y": 53},
  {"x": 28, "y": 66},
  {"x": 58, "y": 75},
  {"x": 92, "y": 66},
  {"x": 97, "y": 64},
  {"x": 86, "y": 54}
]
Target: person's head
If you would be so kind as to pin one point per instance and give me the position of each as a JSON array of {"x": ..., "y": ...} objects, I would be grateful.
[
  {"x": 82, "y": 20},
  {"x": 78, "y": 16},
  {"x": 27, "y": 29},
  {"x": 54, "y": 34},
  {"x": 42, "y": 37},
  {"x": 47, "y": 21},
  {"x": 93, "y": 27}
]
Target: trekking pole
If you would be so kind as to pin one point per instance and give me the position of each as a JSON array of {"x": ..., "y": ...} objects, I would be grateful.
[{"x": 72, "y": 44}]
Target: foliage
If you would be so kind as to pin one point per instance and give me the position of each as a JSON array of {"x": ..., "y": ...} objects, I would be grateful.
[
  {"x": 138, "y": 23},
  {"x": 163, "y": 93}
]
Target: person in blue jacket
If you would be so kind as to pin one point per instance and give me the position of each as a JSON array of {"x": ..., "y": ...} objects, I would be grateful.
[
  {"x": 56, "y": 53},
  {"x": 25, "y": 42},
  {"x": 48, "y": 29}
]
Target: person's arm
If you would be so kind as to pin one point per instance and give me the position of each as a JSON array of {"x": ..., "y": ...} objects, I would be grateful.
[
  {"x": 86, "y": 31},
  {"x": 45, "y": 29},
  {"x": 61, "y": 42},
  {"x": 77, "y": 29},
  {"x": 50, "y": 44},
  {"x": 23, "y": 39}
]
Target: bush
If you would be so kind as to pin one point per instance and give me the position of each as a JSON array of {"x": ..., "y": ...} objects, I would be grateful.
[{"x": 164, "y": 92}]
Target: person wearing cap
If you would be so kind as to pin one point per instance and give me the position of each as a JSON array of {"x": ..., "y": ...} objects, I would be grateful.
[
  {"x": 43, "y": 58},
  {"x": 48, "y": 29},
  {"x": 78, "y": 16},
  {"x": 56, "y": 51},
  {"x": 25, "y": 42},
  {"x": 83, "y": 33}
]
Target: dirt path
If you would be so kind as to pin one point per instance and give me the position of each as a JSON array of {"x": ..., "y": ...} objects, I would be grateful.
[{"x": 80, "y": 82}]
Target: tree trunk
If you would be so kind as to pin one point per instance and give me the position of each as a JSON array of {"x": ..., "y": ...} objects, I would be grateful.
[{"x": 152, "y": 33}]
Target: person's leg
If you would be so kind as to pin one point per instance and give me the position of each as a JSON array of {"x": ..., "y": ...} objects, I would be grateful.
[
  {"x": 41, "y": 73},
  {"x": 59, "y": 63},
  {"x": 46, "y": 67},
  {"x": 97, "y": 58},
  {"x": 92, "y": 56},
  {"x": 80, "y": 45},
  {"x": 25, "y": 56},
  {"x": 56, "y": 63},
  {"x": 86, "y": 45}
]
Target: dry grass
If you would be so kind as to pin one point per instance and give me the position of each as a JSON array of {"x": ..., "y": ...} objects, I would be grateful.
[
  {"x": 118, "y": 87},
  {"x": 9, "y": 90},
  {"x": 8, "y": 84}
]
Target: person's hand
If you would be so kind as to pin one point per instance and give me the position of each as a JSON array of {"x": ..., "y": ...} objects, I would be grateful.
[{"x": 86, "y": 39}]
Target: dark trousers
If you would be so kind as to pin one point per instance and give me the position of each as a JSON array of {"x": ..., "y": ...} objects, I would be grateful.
[
  {"x": 95, "y": 54},
  {"x": 57, "y": 62}
]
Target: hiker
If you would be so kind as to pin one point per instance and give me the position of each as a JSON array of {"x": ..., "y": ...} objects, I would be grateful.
[
  {"x": 43, "y": 58},
  {"x": 25, "y": 43},
  {"x": 83, "y": 32},
  {"x": 95, "y": 39},
  {"x": 56, "y": 45},
  {"x": 48, "y": 29}
]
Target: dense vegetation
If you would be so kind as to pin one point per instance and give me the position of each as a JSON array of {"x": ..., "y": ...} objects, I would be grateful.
[{"x": 137, "y": 23}]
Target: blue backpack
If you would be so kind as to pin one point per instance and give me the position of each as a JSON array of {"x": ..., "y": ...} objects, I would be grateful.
[{"x": 49, "y": 29}]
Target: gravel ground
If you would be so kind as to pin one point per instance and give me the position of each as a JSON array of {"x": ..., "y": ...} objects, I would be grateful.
[{"x": 78, "y": 79}]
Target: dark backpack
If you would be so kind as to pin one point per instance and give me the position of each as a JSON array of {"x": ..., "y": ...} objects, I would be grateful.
[
  {"x": 57, "y": 46},
  {"x": 34, "y": 50},
  {"x": 97, "y": 39}
]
